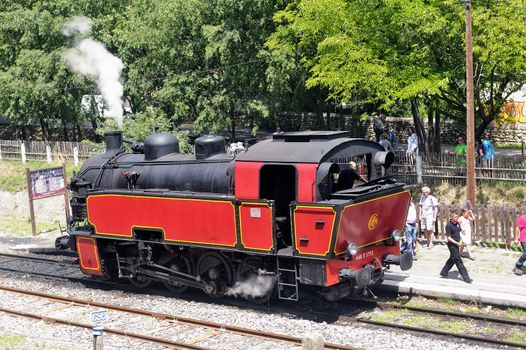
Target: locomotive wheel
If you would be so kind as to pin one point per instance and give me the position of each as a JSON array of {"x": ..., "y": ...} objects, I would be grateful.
[
  {"x": 248, "y": 270},
  {"x": 180, "y": 263},
  {"x": 140, "y": 282},
  {"x": 216, "y": 271}
]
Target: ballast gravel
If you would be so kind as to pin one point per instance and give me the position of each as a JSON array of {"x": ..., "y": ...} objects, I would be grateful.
[{"x": 22, "y": 333}]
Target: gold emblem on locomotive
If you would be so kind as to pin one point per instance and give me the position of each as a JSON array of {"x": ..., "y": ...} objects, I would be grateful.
[{"x": 373, "y": 221}]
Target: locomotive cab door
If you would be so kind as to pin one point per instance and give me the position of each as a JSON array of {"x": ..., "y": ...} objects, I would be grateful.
[{"x": 278, "y": 183}]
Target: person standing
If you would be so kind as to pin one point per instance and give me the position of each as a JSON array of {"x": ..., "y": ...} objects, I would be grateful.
[
  {"x": 412, "y": 145},
  {"x": 454, "y": 244},
  {"x": 385, "y": 143},
  {"x": 488, "y": 153},
  {"x": 520, "y": 236},
  {"x": 460, "y": 151},
  {"x": 466, "y": 219},
  {"x": 428, "y": 214},
  {"x": 378, "y": 126},
  {"x": 410, "y": 231}
]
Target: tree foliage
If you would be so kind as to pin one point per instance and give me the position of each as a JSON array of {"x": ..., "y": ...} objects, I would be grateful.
[
  {"x": 221, "y": 62},
  {"x": 398, "y": 50}
]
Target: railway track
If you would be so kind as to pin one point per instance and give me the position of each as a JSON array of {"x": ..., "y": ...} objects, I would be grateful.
[
  {"x": 481, "y": 321},
  {"x": 69, "y": 261},
  {"x": 166, "y": 327},
  {"x": 478, "y": 327}
]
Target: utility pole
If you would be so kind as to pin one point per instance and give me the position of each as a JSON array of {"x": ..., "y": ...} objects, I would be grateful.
[{"x": 470, "y": 113}]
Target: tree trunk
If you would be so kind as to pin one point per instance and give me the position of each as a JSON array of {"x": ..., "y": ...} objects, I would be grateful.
[
  {"x": 45, "y": 129},
  {"x": 437, "y": 145},
  {"x": 233, "y": 128},
  {"x": 419, "y": 127},
  {"x": 78, "y": 134},
  {"x": 94, "y": 126},
  {"x": 23, "y": 133},
  {"x": 328, "y": 116},
  {"x": 431, "y": 128},
  {"x": 483, "y": 126},
  {"x": 64, "y": 129}
]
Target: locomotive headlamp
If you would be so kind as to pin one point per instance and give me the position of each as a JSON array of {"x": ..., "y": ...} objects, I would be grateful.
[
  {"x": 352, "y": 249},
  {"x": 395, "y": 235}
]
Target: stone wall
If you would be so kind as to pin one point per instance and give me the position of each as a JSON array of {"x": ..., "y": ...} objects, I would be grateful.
[{"x": 506, "y": 133}]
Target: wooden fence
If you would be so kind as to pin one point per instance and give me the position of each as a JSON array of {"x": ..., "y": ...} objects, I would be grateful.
[
  {"x": 36, "y": 150},
  {"x": 492, "y": 224},
  {"x": 439, "y": 168}
]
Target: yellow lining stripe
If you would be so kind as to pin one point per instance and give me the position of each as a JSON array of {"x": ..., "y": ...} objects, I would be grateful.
[
  {"x": 96, "y": 254},
  {"x": 332, "y": 226},
  {"x": 367, "y": 201},
  {"x": 241, "y": 225},
  {"x": 155, "y": 227}
]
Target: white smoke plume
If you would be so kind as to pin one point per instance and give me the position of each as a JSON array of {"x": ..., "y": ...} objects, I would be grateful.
[
  {"x": 91, "y": 58},
  {"x": 255, "y": 287}
]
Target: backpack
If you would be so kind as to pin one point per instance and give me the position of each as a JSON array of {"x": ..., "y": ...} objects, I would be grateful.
[{"x": 391, "y": 137}]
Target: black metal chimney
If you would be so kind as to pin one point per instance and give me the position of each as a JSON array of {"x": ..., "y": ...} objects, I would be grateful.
[{"x": 113, "y": 142}]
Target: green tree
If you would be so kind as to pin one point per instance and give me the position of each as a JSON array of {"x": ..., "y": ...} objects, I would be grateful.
[
  {"x": 36, "y": 86},
  {"x": 391, "y": 51},
  {"x": 197, "y": 60}
]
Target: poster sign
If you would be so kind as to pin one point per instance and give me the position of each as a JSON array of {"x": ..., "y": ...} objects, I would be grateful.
[{"x": 47, "y": 182}]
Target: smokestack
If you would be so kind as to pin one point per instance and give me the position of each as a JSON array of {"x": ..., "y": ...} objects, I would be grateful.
[{"x": 113, "y": 142}]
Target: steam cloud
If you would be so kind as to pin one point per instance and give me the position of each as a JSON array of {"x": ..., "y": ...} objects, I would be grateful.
[
  {"x": 255, "y": 287},
  {"x": 91, "y": 58}
]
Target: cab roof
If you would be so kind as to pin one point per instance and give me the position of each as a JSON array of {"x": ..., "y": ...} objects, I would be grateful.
[{"x": 307, "y": 147}]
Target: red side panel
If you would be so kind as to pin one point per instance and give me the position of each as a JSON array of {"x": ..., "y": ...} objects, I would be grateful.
[
  {"x": 180, "y": 219},
  {"x": 247, "y": 180},
  {"x": 313, "y": 229},
  {"x": 89, "y": 256},
  {"x": 371, "y": 255},
  {"x": 371, "y": 221},
  {"x": 255, "y": 220},
  {"x": 306, "y": 182}
]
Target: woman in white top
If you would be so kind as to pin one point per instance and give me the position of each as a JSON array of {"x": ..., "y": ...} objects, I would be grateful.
[{"x": 465, "y": 220}]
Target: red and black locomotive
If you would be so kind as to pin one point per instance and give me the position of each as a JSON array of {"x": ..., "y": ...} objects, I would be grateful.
[{"x": 269, "y": 217}]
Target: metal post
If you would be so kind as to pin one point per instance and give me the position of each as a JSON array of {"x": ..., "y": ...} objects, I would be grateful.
[
  {"x": 470, "y": 115},
  {"x": 418, "y": 168},
  {"x": 23, "y": 151},
  {"x": 76, "y": 155},
  {"x": 31, "y": 208},
  {"x": 98, "y": 332},
  {"x": 48, "y": 154}
]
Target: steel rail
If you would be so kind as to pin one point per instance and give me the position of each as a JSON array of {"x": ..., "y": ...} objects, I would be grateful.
[
  {"x": 150, "y": 339},
  {"x": 437, "y": 332},
  {"x": 20, "y": 256},
  {"x": 455, "y": 314},
  {"x": 164, "y": 316}
]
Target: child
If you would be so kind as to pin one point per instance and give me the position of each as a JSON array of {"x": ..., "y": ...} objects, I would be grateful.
[{"x": 465, "y": 220}]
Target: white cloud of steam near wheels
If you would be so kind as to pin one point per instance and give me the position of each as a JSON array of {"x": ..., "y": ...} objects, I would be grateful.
[
  {"x": 253, "y": 287},
  {"x": 91, "y": 58}
]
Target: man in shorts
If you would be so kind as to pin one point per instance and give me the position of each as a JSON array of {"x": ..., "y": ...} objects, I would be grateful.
[{"x": 428, "y": 215}]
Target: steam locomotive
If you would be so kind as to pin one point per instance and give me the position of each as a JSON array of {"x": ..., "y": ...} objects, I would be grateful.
[{"x": 270, "y": 218}]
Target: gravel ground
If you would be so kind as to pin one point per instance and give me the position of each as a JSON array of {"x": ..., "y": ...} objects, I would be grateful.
[
  {"x": 41, "y": 335},
  {"x": 21, "y": 333},
  {"x": 46, "y": 209}
]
